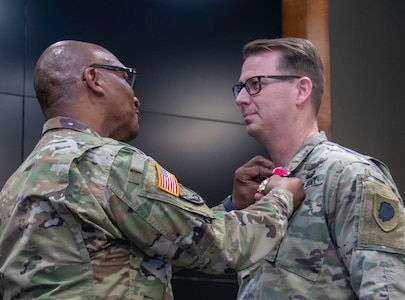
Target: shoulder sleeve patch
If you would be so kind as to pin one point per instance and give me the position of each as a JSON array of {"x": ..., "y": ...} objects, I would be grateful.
[
  {"x": 386, "y": 212},
  {"x": 167, "y": 181},
  {"x": 382, "y": 219},
  {"x": 158, "y": 184}
]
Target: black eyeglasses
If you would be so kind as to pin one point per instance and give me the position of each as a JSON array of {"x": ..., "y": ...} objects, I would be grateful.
[
  {"x": 254, "y": 84},
  {"x": 131, "y": 73}
]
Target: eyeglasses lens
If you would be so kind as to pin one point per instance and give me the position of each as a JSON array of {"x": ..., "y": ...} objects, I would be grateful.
[
  {"x": 236, "y": 90},
  {"x": 131, "y": 78},
  {"x": 253, "y": 85}
]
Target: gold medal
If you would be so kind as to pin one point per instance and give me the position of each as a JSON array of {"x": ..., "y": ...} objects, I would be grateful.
[{"x": 277, "y": 171}]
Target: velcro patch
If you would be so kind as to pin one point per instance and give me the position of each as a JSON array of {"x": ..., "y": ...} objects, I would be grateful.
[
  {"x": 186, "y": 199},
  {"x": 382, "y": 219},
  {"x": 167, "y": 181}
]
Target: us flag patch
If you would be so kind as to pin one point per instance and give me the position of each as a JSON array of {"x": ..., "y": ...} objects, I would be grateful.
[{"x": 167, "y": 181}]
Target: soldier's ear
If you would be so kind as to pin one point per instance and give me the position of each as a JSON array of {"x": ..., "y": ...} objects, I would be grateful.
[
  {"x": 304, "y": 90},
  {"x": 94, "y": 80}
]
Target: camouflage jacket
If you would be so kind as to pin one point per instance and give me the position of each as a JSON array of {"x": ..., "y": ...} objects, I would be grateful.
[
  {"x": 87, "y": 217},
  {"x": 346, "y": 240}
]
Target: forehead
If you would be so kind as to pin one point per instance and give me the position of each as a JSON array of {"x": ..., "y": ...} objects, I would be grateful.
[
  {"x": 262, "y": 63},
  {"x": 105, "y": 57}
]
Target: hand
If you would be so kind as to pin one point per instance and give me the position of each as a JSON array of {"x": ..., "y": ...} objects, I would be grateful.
[
  {"x": 247, "y": 178},
  {"x": 292, "y": 184}
]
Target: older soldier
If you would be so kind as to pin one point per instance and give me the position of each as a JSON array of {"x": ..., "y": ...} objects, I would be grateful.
[
  {"x": 346, "y": 240},
  {"x": 87, "y": 216}
]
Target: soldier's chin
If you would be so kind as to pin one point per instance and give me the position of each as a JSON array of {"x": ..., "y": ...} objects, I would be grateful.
[{"x": 251, "y": 130}]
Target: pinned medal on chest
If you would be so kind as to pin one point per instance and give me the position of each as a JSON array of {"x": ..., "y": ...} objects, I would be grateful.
[{"x": 278, "y": 172}]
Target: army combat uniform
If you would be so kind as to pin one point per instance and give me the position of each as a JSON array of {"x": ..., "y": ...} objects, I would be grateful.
[
  {"x": 346, "y": 240},
  {"x": 87, "y": 217}
]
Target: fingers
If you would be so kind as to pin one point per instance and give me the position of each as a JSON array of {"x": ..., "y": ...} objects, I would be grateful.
[
  {"x": 255, "y": 178},
  {"x": 257, "y": 196},
  {"x": 259, "y": 161},
  {"x": 255, "y": 169}
]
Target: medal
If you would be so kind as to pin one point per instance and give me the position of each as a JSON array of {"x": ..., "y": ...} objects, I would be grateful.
[{"x": 278, "y": 172}]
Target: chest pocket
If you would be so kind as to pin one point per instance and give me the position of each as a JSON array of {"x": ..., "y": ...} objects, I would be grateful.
[{"x": 303, "y": 249}]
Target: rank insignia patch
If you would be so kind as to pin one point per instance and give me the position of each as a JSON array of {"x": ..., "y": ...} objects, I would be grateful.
[
  {"x": 167, "y": 181},
  {"x": 385, "y": 213}
]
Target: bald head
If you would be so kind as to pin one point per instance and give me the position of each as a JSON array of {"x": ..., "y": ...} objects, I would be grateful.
[{"x": 59, "y": 70}]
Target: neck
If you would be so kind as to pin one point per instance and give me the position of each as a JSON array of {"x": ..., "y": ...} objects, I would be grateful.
[{"x": 282, "y": 148}]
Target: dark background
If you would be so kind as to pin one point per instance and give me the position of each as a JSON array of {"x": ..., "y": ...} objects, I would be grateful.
[{"x": 188, "y": 56}]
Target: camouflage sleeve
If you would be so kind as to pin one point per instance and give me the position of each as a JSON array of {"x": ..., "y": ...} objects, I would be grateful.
[
  {"x": 369, "y": 231},
  {"x": 177, "y": 226},
  {"x": 245, "y": 236}
]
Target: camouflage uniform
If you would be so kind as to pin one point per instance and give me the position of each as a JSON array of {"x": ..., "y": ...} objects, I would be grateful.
[
  {"x": 87, "y": 217},
  {"x": 346, "y": 241}
]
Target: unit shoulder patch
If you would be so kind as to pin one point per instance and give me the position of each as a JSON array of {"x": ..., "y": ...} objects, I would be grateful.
[
  {"x": 386, "y": 212},
  {"x": 381, "y": 219}
]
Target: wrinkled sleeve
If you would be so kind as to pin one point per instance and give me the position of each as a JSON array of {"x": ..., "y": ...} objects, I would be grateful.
[
  {"x": 369, "y": 231},
  {"x": 182, "y": 230}
]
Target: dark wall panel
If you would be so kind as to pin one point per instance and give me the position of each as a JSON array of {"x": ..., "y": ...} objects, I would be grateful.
[
  {"x": 11, "y": 46},
  {"x": 11, "y": 135},
  {"x": 188, "y": 287},
  {"x": 33, "y": 122},
  {"x": 367, "y": 64},
  {"x": 187, "y": 53}
]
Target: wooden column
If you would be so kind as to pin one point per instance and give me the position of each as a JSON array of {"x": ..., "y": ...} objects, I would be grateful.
[{"x": 309, "y": 19}]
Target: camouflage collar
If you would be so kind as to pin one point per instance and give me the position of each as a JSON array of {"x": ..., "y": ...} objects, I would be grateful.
[
  {"x": 305, "y": 150},
  {"x": 65, "y": 122}
]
